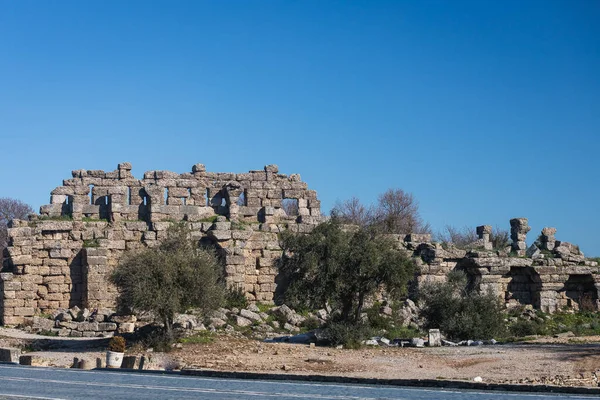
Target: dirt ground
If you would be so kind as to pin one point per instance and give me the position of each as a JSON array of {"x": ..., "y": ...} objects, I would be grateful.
[{"x": 573, "y": 361}]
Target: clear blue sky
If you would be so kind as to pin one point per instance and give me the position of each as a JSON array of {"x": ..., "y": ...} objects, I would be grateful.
[{"x": 484, "y": 110}]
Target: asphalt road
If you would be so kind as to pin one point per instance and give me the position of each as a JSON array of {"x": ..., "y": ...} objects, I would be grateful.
[{"x": 18, "y": 382}]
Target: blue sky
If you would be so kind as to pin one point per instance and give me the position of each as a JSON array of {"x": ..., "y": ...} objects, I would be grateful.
[{"x": 484, "y": 110}]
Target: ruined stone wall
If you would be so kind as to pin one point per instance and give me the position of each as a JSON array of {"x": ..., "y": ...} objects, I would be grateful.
[
  {"x": 550, "y": 274},
  {"x": 61, "y": 258}
]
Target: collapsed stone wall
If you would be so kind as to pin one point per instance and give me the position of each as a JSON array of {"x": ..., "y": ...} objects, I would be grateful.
[
  {"x": 549, "y": 275},
  {"x": 61, "y": 258}
]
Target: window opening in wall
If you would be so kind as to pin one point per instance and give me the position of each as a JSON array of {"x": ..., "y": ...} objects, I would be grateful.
[
  {"x": 67, "y": 200},
  {"x": 145, "y": 200},
  {"x": 166, "y": 195},
  {"x": 184, "y": 201},
  {"x": 207, "y": 197},
  {"x": 290, "y": 206},
  {"x": 128, "y": 195},
  {"x": 241, "y": 201},
  {"x": 223, "y": 202},
  {"x": 91, "y": 194},
  {"x": 105, "y": 200}
]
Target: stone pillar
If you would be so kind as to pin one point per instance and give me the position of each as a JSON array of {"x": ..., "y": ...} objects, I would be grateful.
[
  {"x": 518, "y": 233},
  {"x": 97, "y": 293},
  {"x": 484, "y": 232},
  {"x": 435, "y": 338},
  {"x": 547, "y": 238},
  {"x": 124, "y": 170}
]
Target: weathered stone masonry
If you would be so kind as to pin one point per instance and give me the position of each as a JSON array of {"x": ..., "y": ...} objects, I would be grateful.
[
  {"x": 550, "y": 277},
  {"x": 54, "y": 263},
  {"x": 61, "y": 258}
]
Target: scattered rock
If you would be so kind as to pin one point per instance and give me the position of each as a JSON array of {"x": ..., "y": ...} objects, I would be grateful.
[{"x": 242, "y": 322}]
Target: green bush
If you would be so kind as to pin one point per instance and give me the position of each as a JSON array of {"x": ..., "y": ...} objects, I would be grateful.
[
  {"x": 459, "y": 313},
  {"x": 235, "y": 298},
  {"x": 350, "y": 335},
  {"x": 522, "y": 328},
  {"x": 311, "y": 323}
]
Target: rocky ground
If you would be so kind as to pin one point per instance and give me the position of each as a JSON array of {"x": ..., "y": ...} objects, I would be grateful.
[{"x": 564, "y": 361}]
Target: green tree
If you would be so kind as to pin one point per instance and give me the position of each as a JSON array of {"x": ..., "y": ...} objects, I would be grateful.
[
  {"x": 459, "y": 313},
  {"x": 171, "y": 278},
  {"x": 341, "y": 268}
]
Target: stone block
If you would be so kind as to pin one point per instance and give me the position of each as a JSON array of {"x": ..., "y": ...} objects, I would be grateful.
[
  {"x": 107, "y": 326},
  {"x": 220, "y": 235},
  {"x": 130, "y": 362},
  {"x": 32, "y": 360},
  {"x": 126, "y": 327},
  {"x": 24, "y": 311},
  {"x": 11, "y": 355},
  {"x": 435, "y": 338}
]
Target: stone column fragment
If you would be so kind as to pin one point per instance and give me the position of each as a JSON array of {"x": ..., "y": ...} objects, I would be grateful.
[
  {"x": 519, "y": 227},
  {"x": 484, "y": 232},
  {"x": 547, "y": 238}
]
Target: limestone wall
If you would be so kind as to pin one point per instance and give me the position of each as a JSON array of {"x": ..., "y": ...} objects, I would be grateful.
[
  {"x": 61, "y": 258},
  {"x": 550, "y": 274}
]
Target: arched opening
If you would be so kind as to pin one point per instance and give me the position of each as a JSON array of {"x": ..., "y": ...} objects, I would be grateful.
[
  {"x": 524, "y": 287},
  {"x": 580, "y": 293}
]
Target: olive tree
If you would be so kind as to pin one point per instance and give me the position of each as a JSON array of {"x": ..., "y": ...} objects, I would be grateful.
[
  {"x": 171, "y": 278},
  {"x": 342, "y": 268}
]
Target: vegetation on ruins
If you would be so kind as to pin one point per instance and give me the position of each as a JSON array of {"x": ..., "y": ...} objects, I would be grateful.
[
  {"x": 396, "y": 212},
  {"x": 460, "y": 313},
  {"x": 341, "y": 268},
  {"x": 10, "y": 209},
  {"x": 466, "y": 236},
  {"x": 171, "y": 278}
]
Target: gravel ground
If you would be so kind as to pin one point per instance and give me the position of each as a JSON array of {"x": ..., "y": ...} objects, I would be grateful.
[{"x": 572, "y": 362}]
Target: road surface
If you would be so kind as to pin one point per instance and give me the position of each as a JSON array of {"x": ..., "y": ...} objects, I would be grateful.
[{"x": 19, "y": 382}]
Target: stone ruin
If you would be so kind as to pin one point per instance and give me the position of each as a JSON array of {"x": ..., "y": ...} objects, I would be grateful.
[
  {"x": 60, "y": 259},
  {"x": 550, "y": 275}
]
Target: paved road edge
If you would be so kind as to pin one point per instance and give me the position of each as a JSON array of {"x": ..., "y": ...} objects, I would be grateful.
[{"x": 416, "y": 383}]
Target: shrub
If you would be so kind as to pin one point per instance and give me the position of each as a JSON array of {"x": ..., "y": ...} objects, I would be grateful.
[
  {"x": 311, "y": 323},
  {"x": 522, "y": 328},
  {"x": 350, "y": 335},
  {"x": 117, "y": 344},
  {"x": 235, "y": 298},
  {"x": 500, "y": 238},
  {"x": 461, "y": 314},
  {"x": 460, "y": 237},
  {"x": 168, "y": 279}
]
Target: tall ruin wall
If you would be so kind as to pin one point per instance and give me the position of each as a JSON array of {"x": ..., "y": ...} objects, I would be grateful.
[{"x": 61, "y": 258}]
